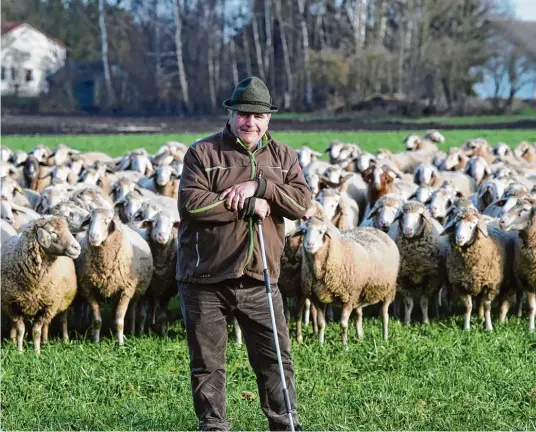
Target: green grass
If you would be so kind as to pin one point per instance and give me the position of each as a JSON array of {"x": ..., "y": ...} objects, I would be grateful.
[
  {"x": 115, "y": 145},
  {"x": 425, "y": 378}
]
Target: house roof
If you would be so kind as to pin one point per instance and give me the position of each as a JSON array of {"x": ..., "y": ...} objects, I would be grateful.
[
  {"x": 520, "y": 33},
  {"x": 12, "y": 25}
]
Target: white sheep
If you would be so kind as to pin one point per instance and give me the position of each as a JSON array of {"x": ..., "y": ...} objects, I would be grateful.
[
  {"x": 356, "y": 268},
  {"x": 38, "y": 277}
]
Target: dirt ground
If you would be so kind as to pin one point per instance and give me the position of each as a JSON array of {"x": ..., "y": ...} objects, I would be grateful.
[{"x": 73, "y": 125}]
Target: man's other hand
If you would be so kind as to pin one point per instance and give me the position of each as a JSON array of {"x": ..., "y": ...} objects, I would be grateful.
[
  {"x": 236, "y": 195},
  {"x": 262, "y": 208}
]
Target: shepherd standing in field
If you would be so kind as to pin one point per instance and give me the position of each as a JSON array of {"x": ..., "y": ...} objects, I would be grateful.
[{"x": 229, "y": 179}]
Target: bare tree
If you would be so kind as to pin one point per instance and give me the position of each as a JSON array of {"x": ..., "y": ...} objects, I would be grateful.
[
  {"x": 288, "y": 71},
  {"x": 306, "y": 57},
  {"x": 111, "y": 99},
  {"x": 257, "y": 42},
  {"x": 180, "y": 62}
]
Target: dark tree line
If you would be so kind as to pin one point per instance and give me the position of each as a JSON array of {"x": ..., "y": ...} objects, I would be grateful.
[{"x": 186, "y": 56}]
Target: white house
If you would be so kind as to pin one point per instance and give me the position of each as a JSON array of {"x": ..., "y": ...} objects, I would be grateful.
[{"x": 28, "y": 56}]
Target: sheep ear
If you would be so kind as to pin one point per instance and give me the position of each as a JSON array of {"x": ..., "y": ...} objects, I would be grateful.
[
  {"x": 43, "y": 238},
  {"x": 311, "y": 211},
  {"x": 315, "y": 153},
  {"x": 426, "y": 216},
  {"x": 332, "y": 231},
  {"x": 449, "y": 227},
  {"x": 116, "y": 223},
  {"x": 343, "y": 186},
  {"x": 177, "y": 224},
  {"x": 138, "y": 189},
  {"x": 482, "y": 227},
  {"x": 327, "y": 150}
]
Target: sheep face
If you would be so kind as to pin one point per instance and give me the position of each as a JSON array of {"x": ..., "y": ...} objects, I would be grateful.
[
  {"x": 102, "y": 222},
  {"x": 330, "y": 200},
  {"x": 147, "y": 211},
  {"x": 333, "y": 174},
  {"x": 92, "y": 175},
  {"x": 490, "y": 191},
  {"x": 10, "y": 188},
  {"x": 161, "y": 227},
  {"x": 334, "y": 150},
  {"x": 412, "y": 218},
  {"x": 141, "y": 163},
  {"x": 435, "y": 136},
  {"x": 132, "y": 204},
  {"x": 465, "y": 225},
  {"x": 502, "y": 150},
  {"x": 164, "y": 174},
  {"x": 424, "y": 193},
  {"x": 347, "y": 152},
  {"x": 18, "y": 157},
  {"x": 313, "y": 180},
  {"x": 412, "y": 141},
  {"x": 306, "y": 156},
  {"x": 122, "y": 187},
  {"x": 40, "y": 152},
  {"x": 313, "y": 239},
  {"x": 61, "y": 155},
  {"x": 454, "y": 159},
  {"x": 51, "y": 196},
  {"x": 440, "y": 202},
  {"x": 6, "y": 211},
  {"x": 30, "y": 170},
  {"x": 518, "y": 217},
  {"x": 425, "y": 174},
  {"x": 363, "y": 161},
  {"x": 379, "y": 178},
  {"x": 5, "y": 154},
  {"x": 478, "y": 168},
  {"x": 53, "y": 235}
]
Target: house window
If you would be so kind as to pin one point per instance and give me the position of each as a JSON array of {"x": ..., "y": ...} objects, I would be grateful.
[
  {"x": 13, "y": 74},
  {"x": 3, "y": 73},
  {"x": 29, "y": 75}
]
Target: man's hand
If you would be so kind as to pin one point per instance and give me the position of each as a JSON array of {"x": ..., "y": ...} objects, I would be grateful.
[
  {"x": 262, "y": 208},
  {"x": 237, "y": 194}
]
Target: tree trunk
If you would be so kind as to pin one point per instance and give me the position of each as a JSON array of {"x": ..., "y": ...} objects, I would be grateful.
[
  {"x": 269, "y": 59},
  {"x": 210, "y": 60},
  {"x": 305, "y": 46},
  {"x": 288, "y": 72},
  {"x": 245, "y": 42},
  {"x": 180, "y": 62},
  {"x": 111, "y": 99},
  {"x": 234, "y": 67},
  {"x": 257, "y": 42}
]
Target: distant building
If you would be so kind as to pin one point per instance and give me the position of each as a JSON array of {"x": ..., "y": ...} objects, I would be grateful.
[{"x": 28, "y": 57}]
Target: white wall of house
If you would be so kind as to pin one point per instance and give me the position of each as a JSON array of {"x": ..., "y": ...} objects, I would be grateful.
[{"x": 27, "y": 57}]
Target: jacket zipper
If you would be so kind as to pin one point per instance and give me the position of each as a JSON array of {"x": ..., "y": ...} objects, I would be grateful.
[
  {"x": 251, "y": 228},
  {"x": 197, "y": 248}
]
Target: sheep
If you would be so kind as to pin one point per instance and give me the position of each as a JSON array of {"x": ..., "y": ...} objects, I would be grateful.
[
  {"x": 440, "y": 201},
  {"x": 12, "y": 191},
  {"x": 522, "y": 218},
  {"x": 5, "y": 153},
  {"x": 122, "y": 187},
  {"x": 478, "y": 263},
  {"x": 384, "y": 212},
  {"x": 415, "y": 142},
  {"x": 115, "y": 263},
  {"x": 421, "y": 259},
  {"x": 339, "y": 208},
  {"x": 34, "y": 173},
  {"x": 97, "y": 176},
  {"x": 51, "y": 196},
  {"x": 456, "y": 160},
  {"x": 306, "y": 155},
  {"x": 479, "y": 169},
  {"x": 164, "y": 181},
  {"x": 161, "y": 235},
  {"x": 38, "y": 277},
  {"x": 16, "y": 215},
  {"x": 41, "y": 152},
  {"x": 408, "y": 161},
  {"x": 430, "y": 175},
  {"x": 508, "y": 200},
  {"x": 423, "y": 193},
  {"x": 91, "y": 157},
  {"x": 340, "y": 152},
  {"x": 435, "y": 136},
  {"x": 383, "y": 180},
  {"x": 526, "y": 151},
  {"x": 357, "y": 268},
  {"x": 61, "y": 155},
  {"x": 489, "y": 192},
  {"x": 479, "y": 147}
]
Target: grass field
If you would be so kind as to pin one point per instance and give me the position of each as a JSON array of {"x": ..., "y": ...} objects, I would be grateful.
[
  {"x": 115, "y": 145},
  {"x": 425, "y": 378}
]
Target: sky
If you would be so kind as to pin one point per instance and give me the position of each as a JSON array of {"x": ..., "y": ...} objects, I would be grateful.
[{"x": 525, "y": 9}]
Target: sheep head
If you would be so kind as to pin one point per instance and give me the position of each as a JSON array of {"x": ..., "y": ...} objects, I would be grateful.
[
  {"x": 330, "y": 200},
  {"x": 465, "y": 225},
  {"x": 385, "y": 211},
  {"x": 161, "y": 227},
  {"x": 53, "y": 235},
  {"x": 101, "y": 223},
  {"x": 73, "y": 214},
  {"x": 412, "y": 219},
  {"x": 519, "y": 217}
]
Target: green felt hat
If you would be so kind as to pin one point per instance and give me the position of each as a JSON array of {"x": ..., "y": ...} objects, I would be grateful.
[{"x": 252, "y": 96}]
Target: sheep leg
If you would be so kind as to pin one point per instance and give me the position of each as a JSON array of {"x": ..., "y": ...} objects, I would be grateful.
[
  {"x": 64, "y": 317},
  {"x": 424, "y": 309},
  {"x": 505, "y": 307},
  {"x": 18, "y": 322},
  {"x": 96, "y": 321},
  {"x": 307, "y": 311},
  {"x": 144, "y": 303},
  {"x": 436, "y": 303},
  {"x": 531, "y": 297},
  {"x": 286, "y": 311},
  {"x": 301, "y": 306},
  {"x": 238, "y": 331},
  {"x": 359, "y": 322},
  {"x": 320, "y": 308},
  {"x": 385, "y": 319},
  {"x": 44, "y": 334},
  {"x": 519, "y": 296},
  {"x": 13, "y": 332},
  {"x": 36, "y": 333},
  {"x": 345, "y": 316},
  {"x": 481, "y": 309},
  {"x": 133, "y": 308},
  {"x": 408, "y": 303},
  {"x": 163, "y": 315},
  {"x": 121, "y": 311},
  {"x": 396, "y": 306},
  {"x": 487, "y": 314},
  {"x": 468, "y": 301},
  {"x": 328, "y": 313},
  {"x": 314, "y": 318},
  {"x": 154, "y": 312}
]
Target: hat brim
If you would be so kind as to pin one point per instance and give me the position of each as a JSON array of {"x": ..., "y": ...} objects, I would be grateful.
[{"x": 249, "y": 107}]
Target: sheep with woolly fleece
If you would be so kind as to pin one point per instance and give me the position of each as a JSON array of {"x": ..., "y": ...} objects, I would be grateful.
[
  {"x": 429, "y": 174},
  {"x": 339, "y": 208},
  {"x": 41, "y": 152},
  {"x": 340, "y": 152},
  {"x": 421, "y": 273},
  {"x": 161, "y": 235},
  {"x": 383, "y": 213},
  {"x": 478, "y": 261},
  {"x": 349, "y": 183},
  {"x": 116, "y": 263},
  {"x": 408, "y": 161},
  {"x": 522, "y": 218},
  {"x": 440, "y": 202},
  {"x": 38, "y": 277},
  {"x": 356, "y": 268},
  {"x": 526, "y": 151}
]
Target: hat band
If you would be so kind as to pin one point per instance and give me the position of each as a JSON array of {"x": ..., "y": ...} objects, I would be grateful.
[{"x": 267, "y": 105}]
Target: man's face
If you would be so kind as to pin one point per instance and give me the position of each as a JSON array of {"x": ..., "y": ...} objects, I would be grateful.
[{"x": 249, "y": 127}]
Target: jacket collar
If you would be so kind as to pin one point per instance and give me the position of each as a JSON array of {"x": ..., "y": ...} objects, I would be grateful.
[{"x": 235, "y": 142}]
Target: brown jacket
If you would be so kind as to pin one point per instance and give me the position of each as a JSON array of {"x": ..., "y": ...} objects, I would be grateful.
[{"x": 215, "y": 244}]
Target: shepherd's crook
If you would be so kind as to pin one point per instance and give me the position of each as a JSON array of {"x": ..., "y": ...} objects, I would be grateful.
[{"x": 274, "y": 328}]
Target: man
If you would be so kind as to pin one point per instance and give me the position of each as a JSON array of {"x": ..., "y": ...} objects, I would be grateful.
[{"x": 229, "y": 179}]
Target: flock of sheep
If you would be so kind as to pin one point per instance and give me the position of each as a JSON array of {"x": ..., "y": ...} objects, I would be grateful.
[{"x": 81, "y": 229}]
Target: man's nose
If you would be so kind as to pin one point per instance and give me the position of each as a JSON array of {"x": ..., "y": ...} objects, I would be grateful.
[{"x": 249, "y": 119}]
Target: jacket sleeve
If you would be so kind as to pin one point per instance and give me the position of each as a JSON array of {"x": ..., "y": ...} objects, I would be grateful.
[
  {"x": 291, "y": 199},
  {"x": 196, "y": 201}
]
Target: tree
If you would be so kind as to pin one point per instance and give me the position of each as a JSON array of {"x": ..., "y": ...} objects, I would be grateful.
[{"x": 111, "y": 99}]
